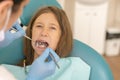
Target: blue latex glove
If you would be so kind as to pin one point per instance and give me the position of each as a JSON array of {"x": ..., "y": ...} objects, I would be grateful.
[
  {"x": 40, "y": 69},
  {"x": 9, "y": 37}
]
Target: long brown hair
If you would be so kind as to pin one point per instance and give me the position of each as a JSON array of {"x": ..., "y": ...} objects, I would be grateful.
[{"x": 65, "y": 43}]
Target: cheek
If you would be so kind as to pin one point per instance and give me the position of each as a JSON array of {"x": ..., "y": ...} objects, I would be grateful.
[
  {"x": 35, "y": 33},
  {"x": 55, "y": 41}
]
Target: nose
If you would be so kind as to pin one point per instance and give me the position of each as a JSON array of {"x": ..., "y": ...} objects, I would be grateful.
[{"x": 44, "y": 32}]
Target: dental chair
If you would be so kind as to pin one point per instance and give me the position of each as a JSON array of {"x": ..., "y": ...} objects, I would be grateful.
[{"x": 13, "y": 53}]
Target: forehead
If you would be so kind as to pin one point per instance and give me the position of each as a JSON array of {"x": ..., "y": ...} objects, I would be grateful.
[{"x": 47, "y": 17}]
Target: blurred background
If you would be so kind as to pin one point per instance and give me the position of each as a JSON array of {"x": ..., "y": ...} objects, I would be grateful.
[{"x": 97, "y": 23}]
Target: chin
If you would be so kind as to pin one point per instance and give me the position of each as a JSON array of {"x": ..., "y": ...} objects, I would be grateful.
[{"x": 38, "y": 52}]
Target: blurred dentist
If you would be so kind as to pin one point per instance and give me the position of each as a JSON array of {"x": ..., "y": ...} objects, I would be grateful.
[{"x": 10, "y": 10}]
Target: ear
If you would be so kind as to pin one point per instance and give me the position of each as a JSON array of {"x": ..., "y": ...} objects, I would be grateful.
[{"x": 4, "y": 6}]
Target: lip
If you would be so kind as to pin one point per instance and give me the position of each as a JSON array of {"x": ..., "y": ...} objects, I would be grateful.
[{"x": 40, "y": 48}]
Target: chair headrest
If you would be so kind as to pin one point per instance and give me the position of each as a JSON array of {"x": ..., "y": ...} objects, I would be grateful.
[{"x": 33, "y": 6}]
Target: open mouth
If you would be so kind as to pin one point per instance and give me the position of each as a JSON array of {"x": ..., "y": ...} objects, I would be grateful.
[{"x": 41, "y": 44}]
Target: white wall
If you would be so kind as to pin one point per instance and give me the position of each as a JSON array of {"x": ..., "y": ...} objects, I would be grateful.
[
  {"x": 114, "y": 14},
  {"x": 69, "y": 6}
]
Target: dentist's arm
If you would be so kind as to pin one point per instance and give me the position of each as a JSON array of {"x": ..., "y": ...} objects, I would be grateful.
[
  {"x": 9, "y": 37},
  {"x": 40, "y": 69}
]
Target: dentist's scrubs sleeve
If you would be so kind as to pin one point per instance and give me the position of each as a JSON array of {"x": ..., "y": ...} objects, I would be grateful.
[
  {"x": 10, "y": 37},
  {"x": 71, "y": 68}
]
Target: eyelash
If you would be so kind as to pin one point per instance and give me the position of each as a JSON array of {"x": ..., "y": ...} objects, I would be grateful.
[
  {"x": 51, "y": 27},
  {"x": 38, "y": 25}
]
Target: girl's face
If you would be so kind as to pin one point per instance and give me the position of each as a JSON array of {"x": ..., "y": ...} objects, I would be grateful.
[{"x": 46, "y": 30}]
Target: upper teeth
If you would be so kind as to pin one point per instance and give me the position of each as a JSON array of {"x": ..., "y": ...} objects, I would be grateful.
[{"x": 42, "y": 44}]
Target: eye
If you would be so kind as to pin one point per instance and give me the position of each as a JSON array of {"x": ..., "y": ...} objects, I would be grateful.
[
  {"x": 53, "y": 27},
  {"x": 39, "y": 26}
]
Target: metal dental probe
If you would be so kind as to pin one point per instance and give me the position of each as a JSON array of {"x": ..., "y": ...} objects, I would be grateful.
[{"x": 53, "y": 58}]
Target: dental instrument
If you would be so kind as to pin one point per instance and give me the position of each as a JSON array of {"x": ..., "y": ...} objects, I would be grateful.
[
  {"x": 24, "y": 35},
  {"x": 53, "y": 58},
  {"x": 50, "y": 54}
]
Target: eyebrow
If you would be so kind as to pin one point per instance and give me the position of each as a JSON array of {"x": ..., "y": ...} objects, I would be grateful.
[
  {"x": 54, "y": 24},
  {"x": 50, "y": 24},
  {"x": 38, "y": 22}
]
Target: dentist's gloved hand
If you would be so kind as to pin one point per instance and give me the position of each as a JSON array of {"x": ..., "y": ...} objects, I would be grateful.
[
  {"x": 9, "y": 37},
  {"x": 40, "y": 69}
]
